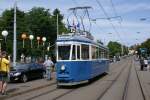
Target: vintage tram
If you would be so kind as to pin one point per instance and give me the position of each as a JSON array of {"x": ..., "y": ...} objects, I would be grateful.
[{"x": 79, "y": 58}]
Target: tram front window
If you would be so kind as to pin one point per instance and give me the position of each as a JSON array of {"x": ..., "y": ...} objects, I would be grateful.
[{"x": 64, "y": 52}]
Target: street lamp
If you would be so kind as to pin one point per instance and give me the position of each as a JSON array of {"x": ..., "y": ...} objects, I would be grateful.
[
  {"x": 4, "y": 34},
  {"x": 44, "y": 39},
  {"x": 31, "y": 37},
  {"x": 23, "y": 36},
  {"x": 38, "y": 39}
]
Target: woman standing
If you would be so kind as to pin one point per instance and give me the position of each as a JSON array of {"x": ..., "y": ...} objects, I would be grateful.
[{"x": 4, "y": 70}]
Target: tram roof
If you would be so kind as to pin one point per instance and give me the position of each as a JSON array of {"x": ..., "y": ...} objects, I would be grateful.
[{"x": 78, "y": 38}]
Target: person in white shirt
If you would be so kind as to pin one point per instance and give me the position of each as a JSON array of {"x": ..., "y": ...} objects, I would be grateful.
[
  {"x": 145, "y": 62},
  {"x": 48, "y": 64}
]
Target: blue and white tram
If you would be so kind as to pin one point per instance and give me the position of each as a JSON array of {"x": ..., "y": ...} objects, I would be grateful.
[{"x": 79, "y": 59}]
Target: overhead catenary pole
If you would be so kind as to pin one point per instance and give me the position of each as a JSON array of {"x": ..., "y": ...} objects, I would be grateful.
[
  {"x": 14, "y": 40},
  {"x": 122, "y": 50}
]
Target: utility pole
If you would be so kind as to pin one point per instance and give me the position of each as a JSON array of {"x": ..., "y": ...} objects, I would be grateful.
[
  {"x": 14, "y": 40},
  {"x": 122, "y": 50}
]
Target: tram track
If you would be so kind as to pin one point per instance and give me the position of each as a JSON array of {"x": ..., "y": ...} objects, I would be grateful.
[
  {"x": 124, "y": 96},
  {"x": 140, "y": 84},
  {"x": 132, "y": 81},
  {"x": 58, "y": 97},
  {"x": 113, "y": 82},
  {"x": 125, "y": 93},
  {"x": 49, "y": 92},
  {"x": 55, "y": 89}
]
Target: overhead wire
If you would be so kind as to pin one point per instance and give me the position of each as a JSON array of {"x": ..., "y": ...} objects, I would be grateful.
[
  {"x": 90, "y": 20},
  {"x": 107, "y": 17},
  {"x": 115, "y": 12}
]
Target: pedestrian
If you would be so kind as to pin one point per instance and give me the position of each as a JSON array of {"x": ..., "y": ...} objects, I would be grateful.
[
  {"x": 142, "y": 62},
  {"x": 48, "y": 64},
  {"x": 145, "y": 62},
  {"x": 4, "y": 71}
]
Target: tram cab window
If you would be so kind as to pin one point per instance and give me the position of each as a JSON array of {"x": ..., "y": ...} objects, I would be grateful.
[
  {"x": 64, "y": 52},
  {"x": 85, "y": 52}
]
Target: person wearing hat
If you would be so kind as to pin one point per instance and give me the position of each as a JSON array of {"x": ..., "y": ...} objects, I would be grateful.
[{"x": 4, "y": 70}]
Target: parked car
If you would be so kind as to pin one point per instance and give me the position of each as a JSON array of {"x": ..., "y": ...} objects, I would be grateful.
[{"x": 26, "y": 72}]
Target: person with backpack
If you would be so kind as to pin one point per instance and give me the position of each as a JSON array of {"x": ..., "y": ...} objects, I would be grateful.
[{"x": 4, "y": 71}]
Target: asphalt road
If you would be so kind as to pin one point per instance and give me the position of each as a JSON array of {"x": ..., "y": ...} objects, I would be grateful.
[{"x": 120, "y": 84}]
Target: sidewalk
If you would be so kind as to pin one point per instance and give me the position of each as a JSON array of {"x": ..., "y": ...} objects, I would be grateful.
[
  {"x": 14, "y": 89},
  {"x": 145, "y": 79}
]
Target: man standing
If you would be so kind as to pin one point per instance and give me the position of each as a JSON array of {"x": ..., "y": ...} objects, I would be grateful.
[
  {"x": 48, "y": 64},
  {"x": 4, "y": 70},
  {"x": 142, "y": 63}
]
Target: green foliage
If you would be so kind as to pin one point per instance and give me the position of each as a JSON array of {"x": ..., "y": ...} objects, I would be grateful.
[
  {"x": 38, "y": 22},
  {"x": 114, "y": 48},
  {"x": 145, "y": 44}
]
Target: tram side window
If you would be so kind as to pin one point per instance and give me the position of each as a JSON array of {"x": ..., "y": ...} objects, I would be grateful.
[
  {"x": 100, "y": 53},
  {"x": 93, "y": 52},
  {"x": 73, "y": 53},
  {"x": 63, "y": 52},
  {"x": 78, "y": 52},
  {"x": 97, "y": 52},
  {"x": 85, "y": 52}
]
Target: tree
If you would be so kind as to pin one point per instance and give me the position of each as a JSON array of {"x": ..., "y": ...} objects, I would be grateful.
[
  {"x": 38, "y": 21},
  {"x": 145, "y": 44},
  {"x": 114, "y": 48},
  {"x": 6, "y": 23}
]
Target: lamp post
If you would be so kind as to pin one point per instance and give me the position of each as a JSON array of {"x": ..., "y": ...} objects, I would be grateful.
[
  {"x": 38, "y": 39},
  {"x": 4, "y": 34},
  {"x": 14, "y": 39},
  {"x": 23, "y": 36},
  {"x": 31, "y": 37},
  {"x": 48, "y": 48},
  {"x": 0, "y": 45},
  {"x": 43, "y": 39}
]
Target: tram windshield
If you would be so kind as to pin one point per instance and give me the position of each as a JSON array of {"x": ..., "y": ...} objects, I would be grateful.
[{"x": 64, "y": 52}]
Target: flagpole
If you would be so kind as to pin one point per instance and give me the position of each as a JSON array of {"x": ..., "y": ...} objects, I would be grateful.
[{"x": 57, "y": 26}]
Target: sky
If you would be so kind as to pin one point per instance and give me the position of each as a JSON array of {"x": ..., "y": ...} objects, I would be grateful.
[{"x": 128, "y": 31}]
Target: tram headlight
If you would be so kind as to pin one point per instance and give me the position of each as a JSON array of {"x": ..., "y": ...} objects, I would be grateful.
[{"x": 63, "y": 67}]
